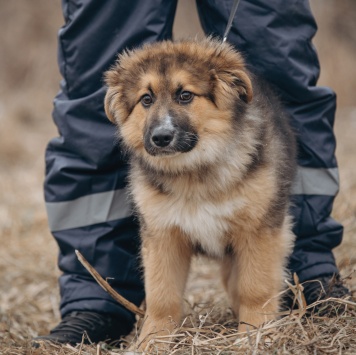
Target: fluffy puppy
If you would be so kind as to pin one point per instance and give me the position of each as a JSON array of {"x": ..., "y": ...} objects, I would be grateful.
[{"x": 212, "y": 160}]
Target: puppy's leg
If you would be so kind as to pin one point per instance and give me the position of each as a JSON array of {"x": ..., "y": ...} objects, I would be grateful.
[
  {"x": 258, "y": 275},
  {"x": 166, "y": 258}
]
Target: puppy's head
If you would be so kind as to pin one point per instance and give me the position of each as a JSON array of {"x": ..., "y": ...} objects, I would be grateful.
[{"x": 177, "y": 100}]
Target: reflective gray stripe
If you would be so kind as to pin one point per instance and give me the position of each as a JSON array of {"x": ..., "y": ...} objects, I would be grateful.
[
  {"x": 112, "y": 205},
  {"x": 315, "y": 181},
  {"x": 88, "y": 210}
]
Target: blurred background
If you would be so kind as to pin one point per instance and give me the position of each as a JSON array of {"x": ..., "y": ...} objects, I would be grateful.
[{"x": 28, "y": 82}]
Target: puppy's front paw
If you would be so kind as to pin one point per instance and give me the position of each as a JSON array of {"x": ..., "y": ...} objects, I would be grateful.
[{"x": 156, "y": 335}]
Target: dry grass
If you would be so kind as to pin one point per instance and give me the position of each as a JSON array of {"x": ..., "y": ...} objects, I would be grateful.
[{"x": 28, "y": 274}]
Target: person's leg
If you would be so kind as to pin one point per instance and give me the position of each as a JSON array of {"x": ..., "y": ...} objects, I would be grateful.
[
  {"x": 85, "y": 186},
  {"x": 275, "y": 38}
]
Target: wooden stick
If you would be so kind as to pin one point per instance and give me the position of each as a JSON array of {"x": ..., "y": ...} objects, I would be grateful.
[{"x": 116, "y": 296}]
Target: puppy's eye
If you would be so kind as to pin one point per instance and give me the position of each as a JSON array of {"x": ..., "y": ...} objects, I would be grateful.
[
  {"x": 146, "y": 100},
  {"x": 185, "y": 97}
]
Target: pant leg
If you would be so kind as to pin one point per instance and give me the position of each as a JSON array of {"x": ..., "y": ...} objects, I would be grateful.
[
  {"x": 275, "y": 38},
  {"x": 85, "y": 185}
]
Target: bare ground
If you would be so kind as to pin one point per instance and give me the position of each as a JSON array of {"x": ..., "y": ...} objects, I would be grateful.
[{"x": 28, "y": 273}]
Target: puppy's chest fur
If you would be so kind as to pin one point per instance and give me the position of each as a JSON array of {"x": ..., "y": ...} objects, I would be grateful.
[{"x": 203, "y": 214}]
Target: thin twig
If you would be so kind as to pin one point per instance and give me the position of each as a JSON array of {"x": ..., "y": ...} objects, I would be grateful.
[{"x": 123, "y": 301}]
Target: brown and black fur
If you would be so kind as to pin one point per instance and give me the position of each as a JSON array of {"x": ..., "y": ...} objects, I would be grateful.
[{"x": 212, "y": 161}]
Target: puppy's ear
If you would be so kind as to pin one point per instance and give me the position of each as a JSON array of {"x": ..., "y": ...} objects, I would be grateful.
[
  {"x": 243, "y": 85},
  {"x": 109, "y": 104},
  {"x": 111, "y": 79},
  {"x": 235, "y": 81}
]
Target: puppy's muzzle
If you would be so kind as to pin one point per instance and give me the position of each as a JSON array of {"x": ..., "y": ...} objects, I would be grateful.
[
  {"x": 161, "y": 136},
  {"x": 169, "y": 137}
]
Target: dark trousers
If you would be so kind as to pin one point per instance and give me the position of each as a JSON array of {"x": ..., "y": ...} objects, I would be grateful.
[{"x": 85, "y": 186}]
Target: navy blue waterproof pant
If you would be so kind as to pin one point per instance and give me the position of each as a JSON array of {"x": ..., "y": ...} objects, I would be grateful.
[{"x": 85, "y": 186}]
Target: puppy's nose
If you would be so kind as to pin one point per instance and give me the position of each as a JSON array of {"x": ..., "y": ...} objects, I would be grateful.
[{"x": 162, "y": 136}]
